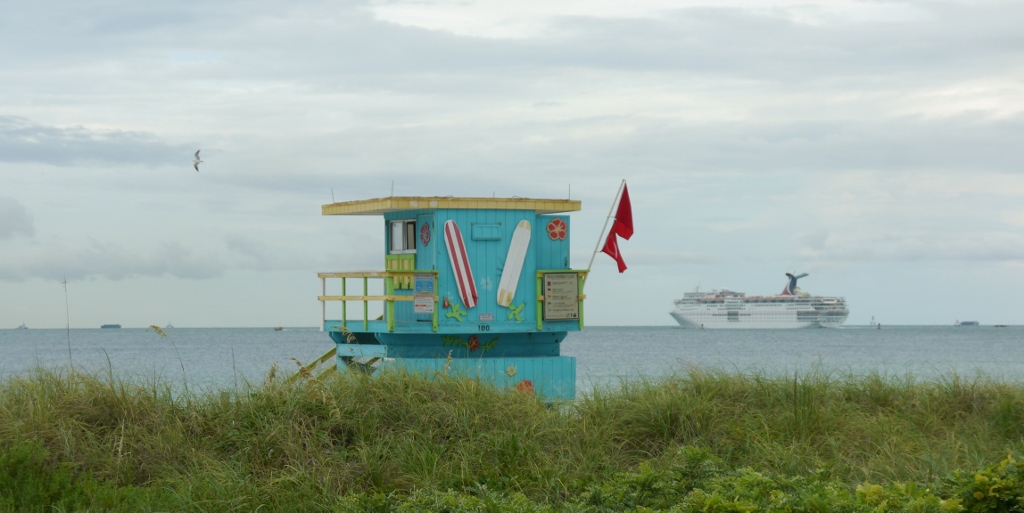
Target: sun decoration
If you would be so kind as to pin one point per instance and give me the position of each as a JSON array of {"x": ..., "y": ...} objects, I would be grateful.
[
  {"x": 557, "y": 229},
  {"x": 425, "y": 233}
]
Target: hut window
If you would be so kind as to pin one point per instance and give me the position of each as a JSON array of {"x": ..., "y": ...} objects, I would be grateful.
[{"x": 403, "y": 236}]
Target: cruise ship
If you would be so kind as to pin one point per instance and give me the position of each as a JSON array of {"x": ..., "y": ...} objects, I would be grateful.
[{"x": 724, "y": 308}]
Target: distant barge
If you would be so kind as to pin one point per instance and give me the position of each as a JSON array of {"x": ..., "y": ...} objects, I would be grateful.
[{"x": 111, "y": 326}]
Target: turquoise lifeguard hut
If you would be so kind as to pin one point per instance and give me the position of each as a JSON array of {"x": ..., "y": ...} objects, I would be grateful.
[{"x": 479, "y": 287}]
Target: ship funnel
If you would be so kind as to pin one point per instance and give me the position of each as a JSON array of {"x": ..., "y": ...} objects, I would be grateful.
[{"x": 791, "y": 285}]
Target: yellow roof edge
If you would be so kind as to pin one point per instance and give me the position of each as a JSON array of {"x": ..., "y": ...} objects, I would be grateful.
[{"x": 381, "y": 206}]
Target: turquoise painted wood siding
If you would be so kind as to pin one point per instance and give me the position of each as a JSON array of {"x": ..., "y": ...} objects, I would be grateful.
[
  {"x": 487, "y": 259},
  {"x": 507, "y": 346},
  {"x": 426, "y": 254},
  {"x": 471, "y": 345},
  {"x": 360, "y": 350},
  {"x": 553, "y": 254},
  {"x": 487, "y": 234},
  {"x": 551, "y": 378},
  {"x": 425, "y": 257}
]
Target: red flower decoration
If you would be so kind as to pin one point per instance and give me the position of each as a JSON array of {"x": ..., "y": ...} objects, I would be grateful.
[
  {"x": 557, "y": 229},
  {"x": 525, "y": 386},
  {"x": 425, "y": 233},
  {"x": 473, "y": 344}
]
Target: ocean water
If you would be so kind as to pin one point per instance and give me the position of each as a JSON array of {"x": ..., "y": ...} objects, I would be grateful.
[
  {"x": 209, "y": 358},
  {"x": 606, "y": 355}
]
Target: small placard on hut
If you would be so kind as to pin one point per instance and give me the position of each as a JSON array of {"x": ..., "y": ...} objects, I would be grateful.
[
  {"x": 561, "y": 296},
  {"x": 423, "y": 301}
]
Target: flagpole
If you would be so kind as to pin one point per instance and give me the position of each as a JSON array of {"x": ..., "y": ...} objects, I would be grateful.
[{"x": 618, "y": 196}]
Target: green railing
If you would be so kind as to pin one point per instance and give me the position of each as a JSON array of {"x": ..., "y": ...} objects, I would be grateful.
[{"x": 390, "y": 278}]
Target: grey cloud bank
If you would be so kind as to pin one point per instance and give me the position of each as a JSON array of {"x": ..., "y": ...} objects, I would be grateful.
[
  {"x": 855, "y": 140},
  {"x": 14, "y": 219},
  {"x": 22, "y": 140},
  {"x": 96, "y": 260}
]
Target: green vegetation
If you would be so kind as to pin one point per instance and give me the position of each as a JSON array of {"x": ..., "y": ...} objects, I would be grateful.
[{"x": 703, "y": 441}]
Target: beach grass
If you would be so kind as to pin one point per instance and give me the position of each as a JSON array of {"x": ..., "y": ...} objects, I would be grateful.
[{"x": 393, "y": 442}]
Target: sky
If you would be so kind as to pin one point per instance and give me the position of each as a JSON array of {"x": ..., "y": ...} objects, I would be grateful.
[{"x": 876, "y": 145}]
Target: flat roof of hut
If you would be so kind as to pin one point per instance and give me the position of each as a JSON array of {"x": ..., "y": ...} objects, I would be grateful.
[{"x": 380, "y": 206}]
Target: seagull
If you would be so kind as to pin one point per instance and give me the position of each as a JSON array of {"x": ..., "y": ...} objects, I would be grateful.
[{"x": 195, "y": 163}]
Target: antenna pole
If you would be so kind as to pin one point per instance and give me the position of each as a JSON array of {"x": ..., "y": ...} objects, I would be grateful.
[
  {"x": 599, "y": 239},
  {"x": 67, "y": 314}
]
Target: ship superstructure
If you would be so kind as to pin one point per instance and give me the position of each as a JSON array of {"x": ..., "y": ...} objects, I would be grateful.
[{"x": 792, "y": 308}]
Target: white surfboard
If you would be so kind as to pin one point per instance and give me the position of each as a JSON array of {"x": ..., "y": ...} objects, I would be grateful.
[{"x": 514, "y": 263}]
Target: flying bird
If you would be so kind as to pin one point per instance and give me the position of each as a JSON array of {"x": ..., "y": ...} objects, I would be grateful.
[{"x": 195, "y": 163}]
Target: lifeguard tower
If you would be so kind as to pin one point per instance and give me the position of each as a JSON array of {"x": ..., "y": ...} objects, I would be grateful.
[{"x": 479, "y": 287}]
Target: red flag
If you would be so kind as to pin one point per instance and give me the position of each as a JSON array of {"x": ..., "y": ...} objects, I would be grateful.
[
  {"x": 623, "y": 226},
  {"x": 611, "y": 248}
]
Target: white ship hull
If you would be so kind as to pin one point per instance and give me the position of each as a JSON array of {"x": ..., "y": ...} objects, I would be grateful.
[
  {"x": 727, "y": 309},
  {"x": 710, "y": 319}
]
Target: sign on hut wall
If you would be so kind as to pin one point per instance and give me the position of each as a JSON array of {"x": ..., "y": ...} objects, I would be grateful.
[
  {"x": 423, "y": 301},
  {"x": 561, "y": 296}
]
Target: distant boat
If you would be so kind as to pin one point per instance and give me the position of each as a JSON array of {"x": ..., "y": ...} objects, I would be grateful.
[
  {"x": 279, "y": 328},
  {"x": 111, "y": 326},
  {"x": 169, "y": 326},
  {"x": 1000, "y": 325},
  {"x": 22, "y": 327},
  {"x": 966, "y": 323}
]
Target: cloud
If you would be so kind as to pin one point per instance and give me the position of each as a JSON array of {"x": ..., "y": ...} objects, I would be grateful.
[
  {"x": 642, "y": 257},
  {"x": 729, "y": 88},
  {"x": 516, "y": 155},
  {"x": 22, "y": 140},
  {"x": 262, "y": 43},
  {"x": 250, "y": 253},
  {"x": 110, "y": 261},
  {"x": 253, "y": 254},
  {"x": 923, "y": 247},
  {"x": 245, "y": 246},
  {"x": 908, "y": 217},
  {"x": 960, "y": 143},
  {"x": 728, "y": 119},
  {"x": 14, "y": 219}
]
